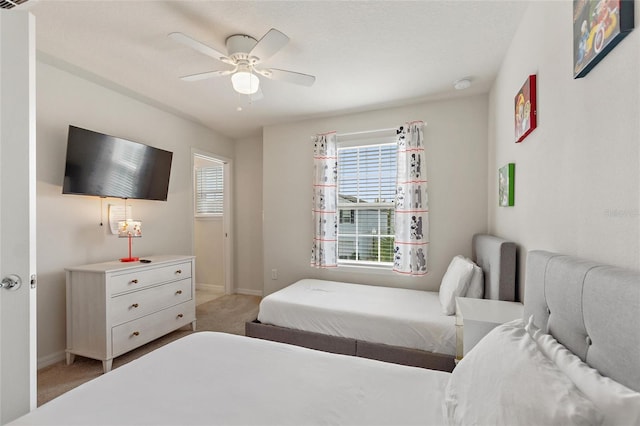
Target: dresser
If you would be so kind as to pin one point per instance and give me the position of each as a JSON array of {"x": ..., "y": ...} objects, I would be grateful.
[
  {"x": 114, "y": 307},
  {"x": 477, "y": 317}
]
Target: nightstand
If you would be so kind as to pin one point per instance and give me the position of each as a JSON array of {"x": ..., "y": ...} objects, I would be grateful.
[{"x": 477, "y": 317}]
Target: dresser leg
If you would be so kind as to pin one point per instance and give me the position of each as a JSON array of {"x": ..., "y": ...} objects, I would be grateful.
[
  {"x": 193, "y": 326},
  {"x": 70, "y": 358},
  {"x": 106, "y": 365}
]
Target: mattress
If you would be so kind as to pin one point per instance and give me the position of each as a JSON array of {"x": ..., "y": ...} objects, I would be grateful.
[
  {"x": 393, "y": 316},
  {"x": 214, "y": 379}
]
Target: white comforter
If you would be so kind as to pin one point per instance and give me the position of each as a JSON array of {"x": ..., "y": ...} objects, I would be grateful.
[
  {"x": 221, "y": 379},
  {"x": 393, "y": 316}
]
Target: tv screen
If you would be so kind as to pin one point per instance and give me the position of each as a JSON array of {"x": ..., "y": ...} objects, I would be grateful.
[{"x": 107, "y": 166}]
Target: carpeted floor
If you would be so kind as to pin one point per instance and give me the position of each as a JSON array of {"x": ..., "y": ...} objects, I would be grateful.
[{"x": 226, "y": 314}]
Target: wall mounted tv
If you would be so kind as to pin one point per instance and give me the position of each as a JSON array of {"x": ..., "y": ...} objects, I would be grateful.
[{"x": 107, "y": 166}]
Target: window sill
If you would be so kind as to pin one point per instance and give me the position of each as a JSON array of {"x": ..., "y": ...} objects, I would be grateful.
[
  {"x": 203, "y": 217},
  {"x": 365, "y": 269}
]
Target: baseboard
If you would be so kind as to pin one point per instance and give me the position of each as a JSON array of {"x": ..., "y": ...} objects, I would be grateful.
[
  {"x": 248, "y": 292},
  {"x": 210, "y": 287},
  {"x": 220, "y": 288},
  {"x": 51, "y": 359}
]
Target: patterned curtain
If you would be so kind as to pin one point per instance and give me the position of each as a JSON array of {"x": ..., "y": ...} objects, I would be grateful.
[
  {"x": 412, "y": 209},
  {"x": 325, "y": 212}
]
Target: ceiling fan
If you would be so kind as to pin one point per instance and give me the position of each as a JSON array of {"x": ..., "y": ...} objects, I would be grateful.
[{"x": 244, "y": 53}]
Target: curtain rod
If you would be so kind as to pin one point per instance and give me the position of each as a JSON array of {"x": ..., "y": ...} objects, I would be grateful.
[{"x": 366, "y": 132}]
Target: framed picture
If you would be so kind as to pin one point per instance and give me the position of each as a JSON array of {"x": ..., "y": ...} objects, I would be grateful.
[
  {"x": 525, "y": 109},
  {"x": 598, "y": 25},
  {"x": 506, "y": 185}
]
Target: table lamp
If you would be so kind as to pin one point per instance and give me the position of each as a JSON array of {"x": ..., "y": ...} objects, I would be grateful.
[{"x": 129, "y": 229}]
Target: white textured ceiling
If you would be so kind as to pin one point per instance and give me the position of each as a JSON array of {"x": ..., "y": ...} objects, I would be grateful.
[{"x": 365, "y": 54}]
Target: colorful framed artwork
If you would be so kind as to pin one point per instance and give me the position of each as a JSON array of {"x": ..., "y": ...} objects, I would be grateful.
[
  {"x": 506, "y": 185},
  {"x": 598, "y": 25},
  {"x": 525, "y": 109}
]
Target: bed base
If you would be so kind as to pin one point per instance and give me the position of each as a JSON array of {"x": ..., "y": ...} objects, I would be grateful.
[{"x": 353, "y": 347}]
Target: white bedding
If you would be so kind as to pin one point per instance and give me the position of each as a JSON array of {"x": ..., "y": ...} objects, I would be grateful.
[
  {"x": 212, "y": 378},
  {"x": 393, "y": 316}
]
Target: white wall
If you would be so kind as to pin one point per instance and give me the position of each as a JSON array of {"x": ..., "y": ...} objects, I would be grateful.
[
  {"x": 456, "y": 148},
  {"x": 578, "y": 174},
  {"x": 68, "y": 230},
  {"x": 248, "y": 216}
]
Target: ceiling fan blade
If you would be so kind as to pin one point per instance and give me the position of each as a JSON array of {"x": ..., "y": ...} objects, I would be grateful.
[
  {"x": 289, "y": 76},
  {"x": 205, "y": 75},
  {"x": 269, "y": 44},
  {"x": 200, "y": 47}
]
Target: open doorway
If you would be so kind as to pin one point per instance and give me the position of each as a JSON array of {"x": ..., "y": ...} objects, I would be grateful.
[{"x": 211, "y": 225}]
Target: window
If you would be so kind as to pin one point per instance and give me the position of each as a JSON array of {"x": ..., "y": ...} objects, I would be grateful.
[
  {"x": 366, "y": 197},
  {"x": 209, "y": 190}
]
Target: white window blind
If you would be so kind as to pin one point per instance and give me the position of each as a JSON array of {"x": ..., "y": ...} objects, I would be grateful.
[
  {"x": 210, "y": 190},
  {"x": 366, "y": 197}
]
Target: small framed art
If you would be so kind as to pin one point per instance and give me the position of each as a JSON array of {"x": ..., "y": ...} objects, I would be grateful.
[
  {"x": 598, "y": 25},
  {"x": 506, "y": 185},
  {"x": 525, "y": 109}
]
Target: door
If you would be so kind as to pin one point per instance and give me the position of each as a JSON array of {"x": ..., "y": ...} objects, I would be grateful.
[
  {"x": 17, "y": 214},
  {"x": 212, "y": 221}
]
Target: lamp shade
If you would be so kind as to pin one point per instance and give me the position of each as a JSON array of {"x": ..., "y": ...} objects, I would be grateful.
[
  {"x": 245, "y": 82},
  {"x": 129, "y": 228}
]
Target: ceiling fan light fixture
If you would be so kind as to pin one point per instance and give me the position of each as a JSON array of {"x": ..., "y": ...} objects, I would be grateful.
[
  {"x": 245, "y": 83},
  {"x": 463, "y": 83}
]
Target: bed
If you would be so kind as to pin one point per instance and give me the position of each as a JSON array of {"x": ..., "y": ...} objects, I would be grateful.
[
  {"x": 388, "y": 324},
  {"x": 515, "y": 375}
]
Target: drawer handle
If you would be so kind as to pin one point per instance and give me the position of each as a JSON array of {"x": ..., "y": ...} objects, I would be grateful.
[
  {"x": 135, "y": 305},
  {"x": 179, "y": 292},
  {"x": 179, "y": 271},
  {"x": 180, "y": 315},
  {"x": 135, "y": 333},
  {"x": 134, "y": 281}
]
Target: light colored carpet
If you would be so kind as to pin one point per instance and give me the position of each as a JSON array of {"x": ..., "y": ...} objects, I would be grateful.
[{"x": 226, "y": 314}]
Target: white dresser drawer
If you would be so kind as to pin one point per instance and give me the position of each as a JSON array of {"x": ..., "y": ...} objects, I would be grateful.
[
  {"x": 130, "y": 335},
  {"x": 114, "y": 307},
  {"x": 149, "y": 276},
  {"x": 130, "y": 306}
]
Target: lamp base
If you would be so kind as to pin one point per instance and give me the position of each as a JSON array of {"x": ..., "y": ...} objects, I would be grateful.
[{"x": 129, "y": 259}]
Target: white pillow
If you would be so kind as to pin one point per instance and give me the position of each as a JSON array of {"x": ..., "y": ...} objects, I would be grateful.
[
  {"x": 506, "y": 380},
  {"x": 454, "y": 283},
  {"x": 619, "y": 404},
  {"x": 476, "y": 285}
]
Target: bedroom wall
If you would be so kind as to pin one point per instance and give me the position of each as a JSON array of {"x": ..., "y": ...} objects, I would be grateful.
[
  {"x": 578, "y": 174},
  {"x": 456, "y": 146},
  {"x": 68, "y": 226}
]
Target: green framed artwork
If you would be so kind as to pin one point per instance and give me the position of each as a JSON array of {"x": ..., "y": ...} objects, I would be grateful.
[{"x": 506, "y": 185}]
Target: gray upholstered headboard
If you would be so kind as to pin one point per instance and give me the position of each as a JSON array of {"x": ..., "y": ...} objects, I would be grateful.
[
  {"x": 497, "y": 258},
  {"x": 591, "y": 308}
]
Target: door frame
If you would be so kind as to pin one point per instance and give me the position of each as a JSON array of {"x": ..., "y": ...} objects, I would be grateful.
[
  {"x": 227, "y": 217},
  {"x": 18, "y": 331}
]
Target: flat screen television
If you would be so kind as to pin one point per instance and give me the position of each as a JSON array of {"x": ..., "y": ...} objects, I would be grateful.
[{"x": 107, "y": 166}]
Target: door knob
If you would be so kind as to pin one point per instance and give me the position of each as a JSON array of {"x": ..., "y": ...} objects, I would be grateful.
[{"x": 11, "y": 282}]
